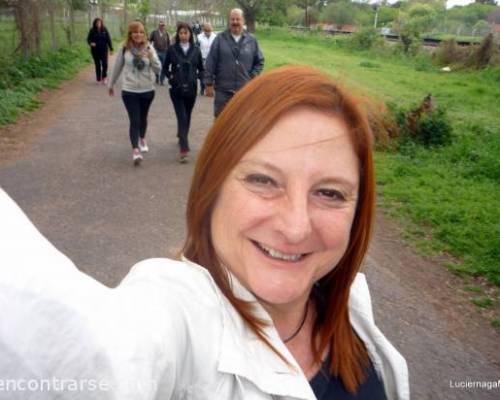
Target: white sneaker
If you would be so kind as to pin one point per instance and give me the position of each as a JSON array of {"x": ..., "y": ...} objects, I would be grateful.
[
  {"x": 136, "y": 157},
  {"x": 143, "y": 146}
]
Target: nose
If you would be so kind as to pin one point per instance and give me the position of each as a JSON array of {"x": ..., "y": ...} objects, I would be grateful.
[{"x": 294, "y": 219}]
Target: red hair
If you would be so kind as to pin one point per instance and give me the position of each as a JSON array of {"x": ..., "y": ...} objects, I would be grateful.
[{"x": 245, "y": 120}]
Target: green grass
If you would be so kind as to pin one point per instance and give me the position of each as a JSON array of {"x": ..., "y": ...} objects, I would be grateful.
[
  {"x": 447, "y": 199},
  {"x": 20, "y": 80},
  {"x": 482, "y": 301}
]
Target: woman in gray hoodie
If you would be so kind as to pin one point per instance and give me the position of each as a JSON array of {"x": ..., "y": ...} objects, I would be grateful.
[{"x": 138, "y": 62}]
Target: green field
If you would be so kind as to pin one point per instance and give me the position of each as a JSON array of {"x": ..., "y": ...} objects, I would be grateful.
[{"x": 446, "y": 199}]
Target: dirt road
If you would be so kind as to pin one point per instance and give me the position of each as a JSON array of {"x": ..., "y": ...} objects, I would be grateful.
[{"x": 69, "y": 167}]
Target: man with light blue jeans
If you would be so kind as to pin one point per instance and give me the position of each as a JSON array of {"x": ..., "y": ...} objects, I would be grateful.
[{"x": 205, "y": 40}]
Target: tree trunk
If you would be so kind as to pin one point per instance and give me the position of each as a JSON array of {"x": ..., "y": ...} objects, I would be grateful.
[
  {"x": 250, "y": 9},
  {"x": 72, "y": 22},
  {"x": 52, "y": 25},
  {"x": 103, "y": 7},
  {"x": 250, "y": 21},
  {"x": 125, "y": 18},
  {"x": 36, "y": 27},
  {"x": 27, "y": 18}
]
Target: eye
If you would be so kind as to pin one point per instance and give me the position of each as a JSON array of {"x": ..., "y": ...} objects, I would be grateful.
[
  {"x": 260, "y": 180},
  {"x": 332, "y": 195}
]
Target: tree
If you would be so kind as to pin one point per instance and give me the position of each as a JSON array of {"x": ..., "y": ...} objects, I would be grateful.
[
  {"x": 422, "y": 17},
  {"x": 250, "y": 9},
  {"x": 340, "y": 13},
  {"x": 28, "y": 24},
  {"x": 51, "y": 10},
  {"x": 273, "y": 12}
]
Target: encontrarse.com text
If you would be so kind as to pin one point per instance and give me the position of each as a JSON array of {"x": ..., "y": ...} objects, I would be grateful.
[
  {"x": 64, "y": 385},
  {"x": 470, "y": 384}
]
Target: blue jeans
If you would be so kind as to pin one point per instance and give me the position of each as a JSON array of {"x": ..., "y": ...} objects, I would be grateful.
[{"x": 160, "y": 79}]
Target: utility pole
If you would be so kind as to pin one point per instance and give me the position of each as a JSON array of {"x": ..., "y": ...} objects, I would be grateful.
[
  {"x": 376, "y": 5},
  {"x": 307, "y": 14}
]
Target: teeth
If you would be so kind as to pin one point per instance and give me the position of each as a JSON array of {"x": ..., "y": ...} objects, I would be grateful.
[{"x": 279, "y": 255}]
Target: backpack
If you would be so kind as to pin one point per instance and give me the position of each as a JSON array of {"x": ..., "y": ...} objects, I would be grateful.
[{"x": 184, "y": 74}]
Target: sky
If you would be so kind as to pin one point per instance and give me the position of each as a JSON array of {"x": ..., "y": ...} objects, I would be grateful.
[{"x": 452, "y": 3}]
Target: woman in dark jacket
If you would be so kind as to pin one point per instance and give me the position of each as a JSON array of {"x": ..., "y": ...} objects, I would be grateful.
[
  {"x": 183, "y": 65},
  {"x": 99, "y": 40}
]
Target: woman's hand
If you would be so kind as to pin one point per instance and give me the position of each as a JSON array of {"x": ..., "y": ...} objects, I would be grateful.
[
  {"x": 92, "y": 44},
  {"x": 111, "y": 92},
  {"x": 209, "y": 91}
]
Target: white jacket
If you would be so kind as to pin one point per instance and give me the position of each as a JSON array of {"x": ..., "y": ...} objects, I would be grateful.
[
  {"x": 206, "y": 43},
  {"x": 166, "y": 332}
]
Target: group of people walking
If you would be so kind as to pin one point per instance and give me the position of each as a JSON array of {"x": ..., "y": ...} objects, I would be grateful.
[{"x": 223, "y": 63}]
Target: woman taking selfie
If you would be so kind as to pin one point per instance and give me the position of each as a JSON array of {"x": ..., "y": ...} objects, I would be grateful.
[
  {"x": 138, "y": 62},
  {"x": 267, "y": 301}
]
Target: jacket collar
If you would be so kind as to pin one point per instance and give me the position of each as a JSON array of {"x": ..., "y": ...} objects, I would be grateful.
[
  {"x": 243, "y": 354},
  {"x": 181, "y": 52},
  {"x": 229, "y": 35}
]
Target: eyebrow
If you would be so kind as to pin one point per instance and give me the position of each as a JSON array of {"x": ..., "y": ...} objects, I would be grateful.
[{"x": 331, "y": 179}]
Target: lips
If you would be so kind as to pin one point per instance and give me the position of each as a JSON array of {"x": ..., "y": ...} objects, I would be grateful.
[{"x": 278, "y": 255}]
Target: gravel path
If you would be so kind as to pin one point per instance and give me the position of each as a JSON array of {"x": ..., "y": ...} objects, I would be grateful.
[{"x": 69, "y": 167}]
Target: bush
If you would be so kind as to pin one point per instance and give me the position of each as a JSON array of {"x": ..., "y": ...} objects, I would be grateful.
[
  {"x": 484, "y": 52},
  {"x": 434, "y": 129},
  {"x": 424, "y": 125},
  {"x": 449, "y": 52},
  {"x": 21, "y": 80},
  {"x": 366, "y": 39},
  {"x": 382, "y": 123}
]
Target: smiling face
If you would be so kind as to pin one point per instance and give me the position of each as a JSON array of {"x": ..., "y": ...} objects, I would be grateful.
[
  {"x": 283, "y": 217},
  {"x": 236, "y": 22},
  {"x": 137, "y": 36}
]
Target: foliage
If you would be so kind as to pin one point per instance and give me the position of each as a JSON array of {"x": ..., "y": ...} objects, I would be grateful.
[
  {"x": 21, "y": 80},
  {"x": 273, "y": 12},
  {"x": 366, "y": 39},
  {"x": 449, "y": 52},
  {"x": 339, "y": 13},
  {"x": 295, "y": 16},
  {"x": 421, "y": 16},
  {"x": 482, "y": 301},
  {"x": 484, "y": 52},
  {"x": 433, "y": 129}
]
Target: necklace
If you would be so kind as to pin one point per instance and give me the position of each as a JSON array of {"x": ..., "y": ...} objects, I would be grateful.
[{"x": 300, "y": 326}]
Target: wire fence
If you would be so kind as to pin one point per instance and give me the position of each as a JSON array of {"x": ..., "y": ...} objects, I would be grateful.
[{"x": 65, "y": 30}]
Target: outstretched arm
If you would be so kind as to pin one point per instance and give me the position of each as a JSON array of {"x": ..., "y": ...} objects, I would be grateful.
[{"x": 61, "y": 327}]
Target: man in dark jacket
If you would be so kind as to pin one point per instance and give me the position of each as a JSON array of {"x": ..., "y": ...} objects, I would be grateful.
[
  {"x": 161, "y": 42},
  {"x": 234, "y": 59}
]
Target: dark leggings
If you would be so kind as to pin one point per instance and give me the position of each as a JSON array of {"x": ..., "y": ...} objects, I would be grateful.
[
  {"x": 183, "y": 106},
  {"x": 101, "y": 63},
  {"x": 137, "y": 105}
]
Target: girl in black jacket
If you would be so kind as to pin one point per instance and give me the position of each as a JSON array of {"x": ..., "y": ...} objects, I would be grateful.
[
  {"x": 99, "y": 40},
  {"x": 183, "y": 65}
]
